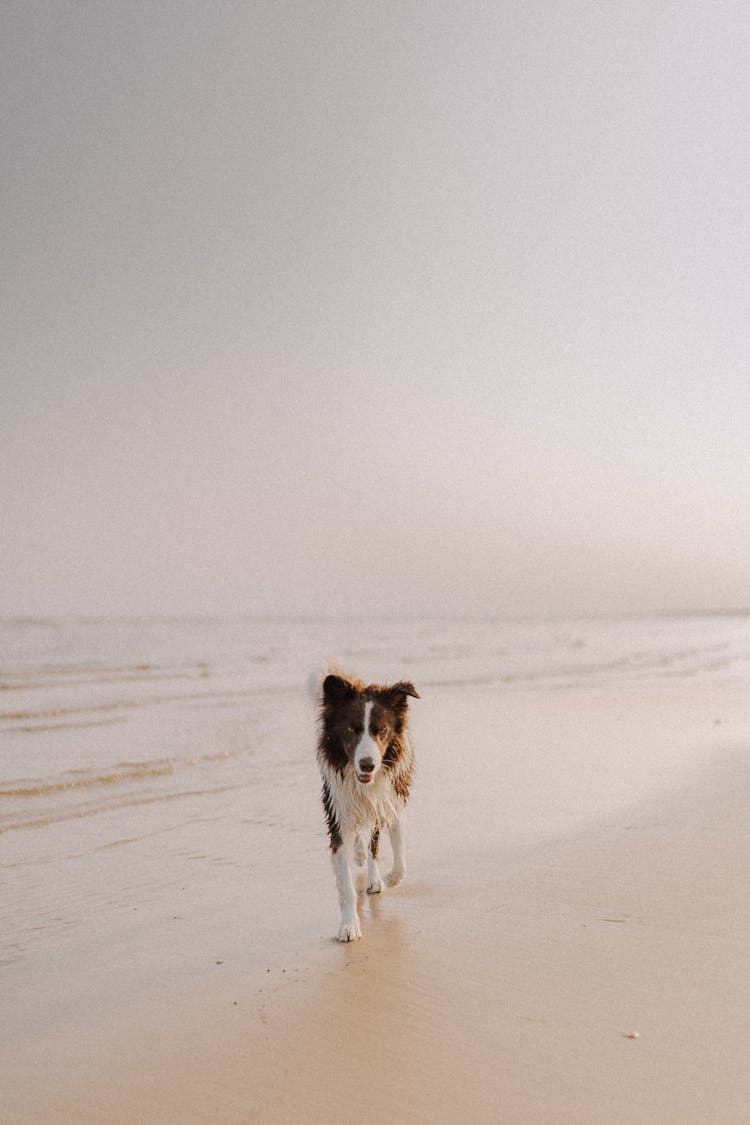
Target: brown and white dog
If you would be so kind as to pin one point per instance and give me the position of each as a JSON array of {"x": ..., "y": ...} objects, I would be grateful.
[{"x": 366, "y": 762}]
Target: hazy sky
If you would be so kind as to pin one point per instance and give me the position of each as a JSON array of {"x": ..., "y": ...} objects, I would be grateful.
[{"x": 375, "y": 307}]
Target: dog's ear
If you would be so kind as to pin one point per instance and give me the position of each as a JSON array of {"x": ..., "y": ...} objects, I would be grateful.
[
  {"x": 397, "y": 693},
  {"x": 335, "y": 689}
]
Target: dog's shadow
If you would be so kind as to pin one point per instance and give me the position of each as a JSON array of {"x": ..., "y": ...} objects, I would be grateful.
[
  {"x": 374, "y": 905},
  {"x": 376, "y": 915}
]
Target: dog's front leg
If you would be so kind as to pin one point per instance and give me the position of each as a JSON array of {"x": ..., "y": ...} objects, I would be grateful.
[
  {"x": 349, "y": 928},
  {"x": 374, "y": 885},
  {"x": 396, "y": 833}
]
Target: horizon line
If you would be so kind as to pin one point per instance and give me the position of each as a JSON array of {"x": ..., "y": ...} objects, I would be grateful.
[{"x": 291, "y": 616}]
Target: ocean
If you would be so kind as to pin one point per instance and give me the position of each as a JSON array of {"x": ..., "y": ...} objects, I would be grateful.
[{"x": 137, "y": 734}]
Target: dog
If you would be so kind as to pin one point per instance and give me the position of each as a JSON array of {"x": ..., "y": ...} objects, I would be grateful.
[{"x": 366, "y": 764}]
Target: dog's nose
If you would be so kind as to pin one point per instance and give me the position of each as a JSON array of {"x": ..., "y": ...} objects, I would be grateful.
[{"x": 366, "y": 765}]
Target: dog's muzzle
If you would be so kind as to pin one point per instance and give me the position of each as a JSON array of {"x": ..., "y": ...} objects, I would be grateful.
[{"x": 365, "y": 770}]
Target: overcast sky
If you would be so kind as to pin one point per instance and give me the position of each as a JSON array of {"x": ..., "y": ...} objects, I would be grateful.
[{"x": 389, "y": 307}]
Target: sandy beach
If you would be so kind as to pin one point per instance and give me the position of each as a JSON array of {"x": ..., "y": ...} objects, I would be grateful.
[
  {"x": 569, "y": 945},
  {"x": 405, "y": 340}
]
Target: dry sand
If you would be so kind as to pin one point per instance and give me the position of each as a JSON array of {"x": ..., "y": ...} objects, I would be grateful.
[{"x": 578, "y": 874}]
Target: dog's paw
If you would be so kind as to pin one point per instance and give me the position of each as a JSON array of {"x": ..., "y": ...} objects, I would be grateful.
[
  {"x": 374, "y": 885},
  {"x": 393, "y": 878},
  {"x": 350, "y": 931}
]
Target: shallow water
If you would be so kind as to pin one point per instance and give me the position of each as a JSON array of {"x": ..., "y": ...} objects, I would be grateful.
[
  {"x": 138, "y": 757},
  {"x": 96, "y": 715}
]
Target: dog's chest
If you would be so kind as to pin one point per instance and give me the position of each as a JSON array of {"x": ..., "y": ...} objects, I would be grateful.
[{"x": 359, "y": 807}]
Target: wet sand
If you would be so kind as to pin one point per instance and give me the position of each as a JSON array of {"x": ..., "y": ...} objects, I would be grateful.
[{"x": 570, "y": 944}]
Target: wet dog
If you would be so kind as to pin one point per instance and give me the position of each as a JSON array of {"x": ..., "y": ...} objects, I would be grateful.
[{"x": 366, "y": 762}]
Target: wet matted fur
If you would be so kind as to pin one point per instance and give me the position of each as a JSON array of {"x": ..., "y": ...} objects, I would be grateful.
[{"x": 366, "y": 762}]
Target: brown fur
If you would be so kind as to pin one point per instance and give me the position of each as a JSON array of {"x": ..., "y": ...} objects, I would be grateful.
[
  {"x": 341, "y": 717},
  {"x": 355, "y": 763},
  {"x": 342, "y": 712}
]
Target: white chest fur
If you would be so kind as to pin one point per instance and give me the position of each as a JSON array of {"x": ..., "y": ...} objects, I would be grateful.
[{"x": 359, "y": 806}]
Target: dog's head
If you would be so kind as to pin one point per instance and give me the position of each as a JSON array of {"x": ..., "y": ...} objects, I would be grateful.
[{"x": 361, "y": 724}]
